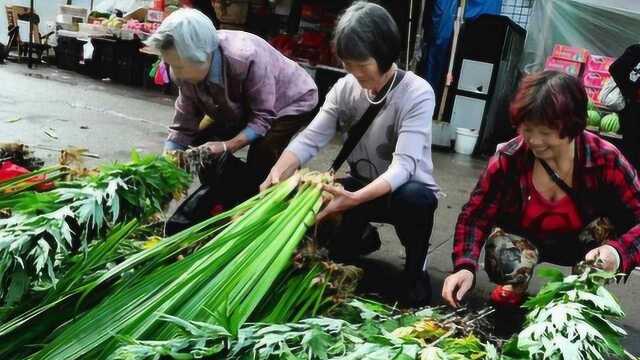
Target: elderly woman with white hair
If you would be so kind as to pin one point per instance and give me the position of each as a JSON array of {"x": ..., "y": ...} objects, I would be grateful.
[
  {"x": 387, "y": 113},
  {"x": 254, "y": 95}
]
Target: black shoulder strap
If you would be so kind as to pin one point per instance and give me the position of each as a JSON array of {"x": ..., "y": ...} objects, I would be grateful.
[
  {"x": 357, "y": 131},
  {"x": 558, "y": 180}
]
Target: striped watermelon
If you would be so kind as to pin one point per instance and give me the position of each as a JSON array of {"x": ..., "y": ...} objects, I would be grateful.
[
  {"x": 593, "y": 118},
  {"x": 610, "y": 123}
]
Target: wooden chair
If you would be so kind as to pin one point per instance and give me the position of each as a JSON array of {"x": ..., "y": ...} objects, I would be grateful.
[{"x": 18, "y": 21}]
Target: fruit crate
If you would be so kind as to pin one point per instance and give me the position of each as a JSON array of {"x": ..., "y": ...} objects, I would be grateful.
[
  {"x": 104, "y": 57},
  {"x": 129, "y": 65},
  {"x": 69, "y": 53}
]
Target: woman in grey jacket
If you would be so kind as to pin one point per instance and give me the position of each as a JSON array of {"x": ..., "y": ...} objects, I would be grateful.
[{"x": 391, "y": 172}]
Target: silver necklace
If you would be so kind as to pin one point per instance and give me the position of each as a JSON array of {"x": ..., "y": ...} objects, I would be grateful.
[{"x": 385, "y": 95}]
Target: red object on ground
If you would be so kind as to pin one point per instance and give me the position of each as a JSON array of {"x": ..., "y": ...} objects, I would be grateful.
[
  {"x": 500, "y": 296},
  {"x": 9, "y": 170}
]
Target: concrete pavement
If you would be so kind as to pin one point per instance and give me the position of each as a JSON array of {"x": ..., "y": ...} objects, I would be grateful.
[{"x": 110, "y": 120}]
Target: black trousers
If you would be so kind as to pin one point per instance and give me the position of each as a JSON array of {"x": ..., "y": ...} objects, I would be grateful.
[{"x": 410, "y": 209}]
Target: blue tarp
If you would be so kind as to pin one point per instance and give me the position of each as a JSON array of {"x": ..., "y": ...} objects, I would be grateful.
[{"x": 438, "y": 40}]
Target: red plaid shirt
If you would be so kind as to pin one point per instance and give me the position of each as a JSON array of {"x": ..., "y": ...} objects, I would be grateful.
[{"x": 604, "y": 181}]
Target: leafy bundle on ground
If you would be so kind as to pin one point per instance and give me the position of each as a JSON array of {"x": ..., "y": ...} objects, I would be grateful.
[
  {"x": 45, "y": 229},
  {"x": 224, "y": 281},
  {"x": 571, "y": 318}
]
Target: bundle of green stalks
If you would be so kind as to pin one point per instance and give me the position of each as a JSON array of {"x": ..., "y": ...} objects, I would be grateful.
[
  {"x": 45, "y": 229},
  {"x": 223, "y": 281}
]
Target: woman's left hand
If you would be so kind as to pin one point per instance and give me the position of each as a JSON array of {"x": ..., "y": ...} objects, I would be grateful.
[
  {"x": 343, "y": 200},
  {"x": 608, "y": 256}
]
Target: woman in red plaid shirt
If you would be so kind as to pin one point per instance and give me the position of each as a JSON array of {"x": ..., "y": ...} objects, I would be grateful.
[{"x": 555, "y": 193}]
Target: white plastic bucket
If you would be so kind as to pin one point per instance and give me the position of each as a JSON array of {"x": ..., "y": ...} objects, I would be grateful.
[{"x": 465, "y": 140}]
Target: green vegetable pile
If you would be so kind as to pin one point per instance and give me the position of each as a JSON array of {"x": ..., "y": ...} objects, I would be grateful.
[{"x": 80, "y": 280}]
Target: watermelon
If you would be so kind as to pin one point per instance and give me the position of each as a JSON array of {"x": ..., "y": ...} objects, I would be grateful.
[
  {"x": 593, "y": 118},
  {"x": 610, "y": 123},
  {"x": 591, "y": 106}
]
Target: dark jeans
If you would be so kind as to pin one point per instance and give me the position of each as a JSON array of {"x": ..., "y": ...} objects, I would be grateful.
[
  {"x": 410, "y": 209},
  {"x": 236, "y": 180}
]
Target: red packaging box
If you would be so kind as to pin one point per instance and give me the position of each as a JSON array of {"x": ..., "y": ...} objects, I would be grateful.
[
  {"x": 570, "y": 53},
  {"x": 595, "y": 79},
  {"x": 569, "y": 67},
  {"x": 599, "y": 63}
]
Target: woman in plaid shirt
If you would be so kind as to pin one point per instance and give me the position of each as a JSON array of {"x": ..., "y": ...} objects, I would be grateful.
[{"x": 555, "y": 193}]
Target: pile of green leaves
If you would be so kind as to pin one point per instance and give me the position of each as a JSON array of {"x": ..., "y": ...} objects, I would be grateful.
[
  {"x": 47, "y": 228},
  {"x": 222, "y": 282},
  {"x": 371, "y": 334},
  {"x": 571, "y": 318},
  {"x": 35, "y": 318}
]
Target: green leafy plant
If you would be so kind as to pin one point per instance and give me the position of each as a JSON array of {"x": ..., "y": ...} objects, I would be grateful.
[
  {"x": 571, "y": 318},
  {"x": 222, "y": 282},
  {"x": 46, "y": 228}
]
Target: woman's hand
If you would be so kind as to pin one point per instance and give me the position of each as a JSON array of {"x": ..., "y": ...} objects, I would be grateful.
[
  {"x": 343, "y": 200},
  {"x": 215, "y": 148},
  {"x": 456, "y": 286},
  {"x": 610, "y": 260},
  {"x": 282, "y": 170}
]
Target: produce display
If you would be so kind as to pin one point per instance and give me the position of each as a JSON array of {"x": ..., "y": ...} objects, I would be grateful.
[
  {"x": 113, "y": 22},
  {"x": 245, "y": 284},
  {"x": 141, "y": 27},
  {"x": 41, "y": 229}
]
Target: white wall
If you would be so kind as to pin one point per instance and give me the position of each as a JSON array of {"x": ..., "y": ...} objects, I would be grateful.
[{"x": 46, "y": 9}]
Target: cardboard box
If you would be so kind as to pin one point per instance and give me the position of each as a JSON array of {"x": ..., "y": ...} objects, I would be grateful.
[
  {"x": 155, "y": 16},
  {"x": 599, "y": 63},
  {"x": 74, "y": 11},
  {"x": 592, "y": 94},
  {"x": 595, "y": 79},
  {"x": 570, "y": 53},
  {"x": 568, "y": 67}
]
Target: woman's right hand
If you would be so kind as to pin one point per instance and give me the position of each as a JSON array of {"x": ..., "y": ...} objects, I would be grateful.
[
  {"x": 456, "y": 286},
  {"x": 286, "y": 166}
]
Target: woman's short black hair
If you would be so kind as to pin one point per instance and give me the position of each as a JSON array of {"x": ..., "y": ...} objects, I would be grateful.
[{"x": 366, "y": 30}]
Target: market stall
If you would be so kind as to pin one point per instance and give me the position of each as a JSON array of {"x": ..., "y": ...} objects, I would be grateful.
[
  {"x": 581, "y": 38},
  {"x": 105, "y": 43}
]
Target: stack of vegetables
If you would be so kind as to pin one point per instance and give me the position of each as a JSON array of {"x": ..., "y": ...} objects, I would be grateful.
[
  {"x": 45, "y": 228},
  {"x": 233, "y": 267},
  {"x": 366, "y": 330},
  {"x": 571, "y": 318},
  {"x": 242, "y": 284}
]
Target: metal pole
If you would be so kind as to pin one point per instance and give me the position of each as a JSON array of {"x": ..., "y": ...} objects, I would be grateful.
[
  {"x": 409, "y": 35},
  {"x": 29, "y": 42},
  {"x": 454, "y": 46}
]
